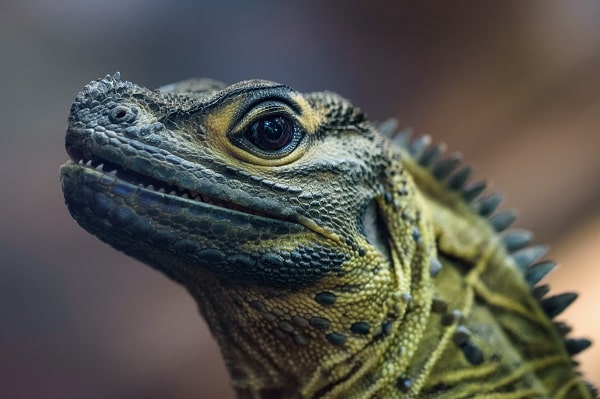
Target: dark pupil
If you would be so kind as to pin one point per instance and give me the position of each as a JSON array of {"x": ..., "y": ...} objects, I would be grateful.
[{"x": 271, "y": 133}]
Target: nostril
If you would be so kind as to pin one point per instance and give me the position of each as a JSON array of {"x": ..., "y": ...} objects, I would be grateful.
[{"x": 121, "y": 114}]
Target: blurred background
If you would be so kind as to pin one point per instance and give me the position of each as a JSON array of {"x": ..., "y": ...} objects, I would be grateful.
[{"x": 513, "y": 85}]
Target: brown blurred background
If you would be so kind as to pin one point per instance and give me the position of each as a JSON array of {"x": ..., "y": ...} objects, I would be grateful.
[{"x": 514, "y": 85}]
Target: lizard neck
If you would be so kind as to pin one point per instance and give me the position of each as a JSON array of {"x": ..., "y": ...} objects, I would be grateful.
[
  {"x": 337, "y": 337},
  {"x": 290, "y": 345}
]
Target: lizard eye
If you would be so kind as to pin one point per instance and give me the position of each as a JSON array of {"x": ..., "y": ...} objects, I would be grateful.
[{"x": 272, "y": 136}]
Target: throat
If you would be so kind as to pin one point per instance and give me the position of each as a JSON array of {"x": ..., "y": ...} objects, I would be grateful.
[{"x": 274, "y": 351}]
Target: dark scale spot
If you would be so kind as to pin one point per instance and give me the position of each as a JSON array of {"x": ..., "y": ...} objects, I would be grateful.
[
  {"x": 320, "y": 322},
  {"x": 406, "y": 297},
  {"x": 336, "y": 338},
  {"x": 461, "y": 335},
  {"x": 256, "y": 305},
  {"x": 325, "y": 298},
  {"x": 278, "y": 312},
  {"x": 270, "y": 316},
  {"x": 472, "y": 353},
  {"x": 388, "y": 198},
  {"x": 285, "y": 326},
  {"x": 438, "y": 305},
  {"x": 361, "y": 252},
  {"x": 435, "y": 267},
  {"x": 386, "y": 328},
  {"x": 404, "y": 384},
  {"x": 360, "y": 327},
  {"x": 279, "y": 334},
  {"x": 273, "y": 259},
  {"x": 300, "y": 321},
  {"x": 416, "y": 235}
]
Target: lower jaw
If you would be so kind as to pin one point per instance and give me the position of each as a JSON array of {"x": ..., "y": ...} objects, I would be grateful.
[{"x": 174, "y": 234}]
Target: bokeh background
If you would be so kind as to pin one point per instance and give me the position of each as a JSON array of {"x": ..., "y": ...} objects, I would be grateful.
[{"x": 514, "y": 85}]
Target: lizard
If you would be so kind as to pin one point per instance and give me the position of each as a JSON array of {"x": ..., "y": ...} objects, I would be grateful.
[{"x": 331, "y": 257}]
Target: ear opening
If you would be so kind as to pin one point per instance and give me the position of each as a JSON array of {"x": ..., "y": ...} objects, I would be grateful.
[{"x": 374, "y": 229}]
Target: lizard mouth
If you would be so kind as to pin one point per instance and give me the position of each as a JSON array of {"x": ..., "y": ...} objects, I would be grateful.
[{"x": 148, "y": 183}]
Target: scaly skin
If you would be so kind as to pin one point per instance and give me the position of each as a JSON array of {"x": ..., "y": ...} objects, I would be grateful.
[{"x": 328, "y": 261}]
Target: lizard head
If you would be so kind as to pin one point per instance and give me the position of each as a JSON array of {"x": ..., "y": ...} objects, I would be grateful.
[
  {"x": 267, "y": 204},
  {"x": 218, "y": 172}
]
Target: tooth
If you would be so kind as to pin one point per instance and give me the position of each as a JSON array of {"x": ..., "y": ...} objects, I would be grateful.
[
  {"x": 150, "y": 187},
  {"x": 161, "y": 190},
  {"x": 113, "y": 172},
  {"x": 141, "y": 185},
  {"x": 185, "y": 195},
  {"x": 173, "y": 192},
  {"x": 100, "y": 167},
  {"x": 198, "y": 198},
  {"x": 88, "y": 163},
  {"x": 80, "y": 162}
]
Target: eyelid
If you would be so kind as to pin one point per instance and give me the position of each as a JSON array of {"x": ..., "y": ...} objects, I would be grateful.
[{"x": 263, "y": 108}]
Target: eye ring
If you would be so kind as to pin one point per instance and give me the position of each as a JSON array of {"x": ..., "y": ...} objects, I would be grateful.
[{"x": 123, "y": 114}]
